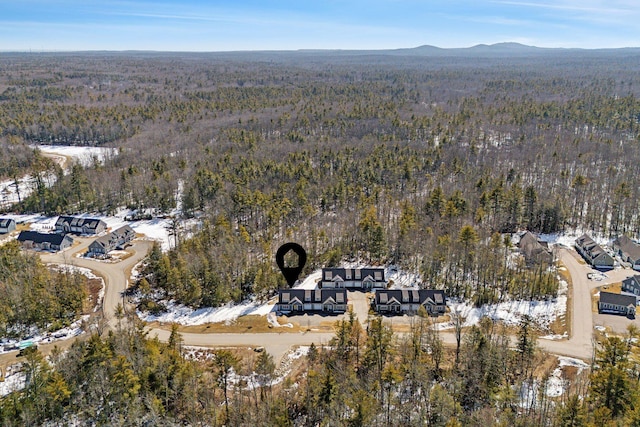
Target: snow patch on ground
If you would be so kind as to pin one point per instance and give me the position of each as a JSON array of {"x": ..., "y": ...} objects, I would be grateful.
[
  {"x": 400, "y": 278},
  {"x": 26, "y": 185},
  {"x": 311, "y": 281},
  {"x": 177, "y": 313},
  {"x": 83, "y": 155},
  {"x": 543, "y": 313},
  {"x": 272, "y": 319},
  {"x": 556, "y": 384},
  {"x": 14, "y": 380}
]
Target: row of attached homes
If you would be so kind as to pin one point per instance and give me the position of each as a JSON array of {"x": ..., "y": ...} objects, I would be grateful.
[
  {"x": 111, "y": 241},
  {"x": 67, "y": 225},
  {"x": 331, "y": 295},
  {"x": 400, "y": 301},
  {"x": 593, "y": 253}
]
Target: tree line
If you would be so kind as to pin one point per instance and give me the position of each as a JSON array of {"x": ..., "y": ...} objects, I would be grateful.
[
  {"x": 34, "y": 299},
  {"x": 367, "y": 376},
  {"x": 406, "y": 161}
]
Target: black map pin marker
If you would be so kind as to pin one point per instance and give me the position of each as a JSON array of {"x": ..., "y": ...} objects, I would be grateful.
[{"x": 290, "y": 272}]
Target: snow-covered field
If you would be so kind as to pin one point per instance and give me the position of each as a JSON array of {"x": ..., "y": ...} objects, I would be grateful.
[
  {"x": 84, "y": 155},
  {"x": 543, "y": 313},
  {"x": 177, "y": 313}
]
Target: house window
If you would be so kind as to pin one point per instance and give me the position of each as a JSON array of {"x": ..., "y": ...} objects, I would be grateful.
[
  {"x": 377, "y": 275},
  {"x": 358, "y": 274},
  {"x": 347, "y": 274},
  {"x": 328, "y": 275}
]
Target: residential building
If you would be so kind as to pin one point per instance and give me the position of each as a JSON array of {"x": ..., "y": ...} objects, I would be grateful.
[
  {"x": 312, "y": 300},
  {"x": 632, "y": 285},
  {"x": 617, "y": 304},
  {"x": 353, "y": 278},
  {"x": 628, "y": 250},
  {"x": 403, "y": 301},
  {"x": 534, "y": 250},
  {"x": 45, "y": 241},
  {"x": 7, "y": 225},
  {"x": 593, "y": 253},
  {"x": 80, "y": 225},
  {"x": 115, "y": 240}
]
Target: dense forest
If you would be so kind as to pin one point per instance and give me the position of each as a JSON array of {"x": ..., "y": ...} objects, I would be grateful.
[
  {"x": 426, "y": 162},
  {"x": 403, "y": 158},
  {"x": 365, "y": 377}
]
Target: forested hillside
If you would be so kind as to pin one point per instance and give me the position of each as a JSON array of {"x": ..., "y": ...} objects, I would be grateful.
[
  {"x": 399, "y": 158},
  {"x": 34, "y": 299},
  {"x": 365, "y": 377}
]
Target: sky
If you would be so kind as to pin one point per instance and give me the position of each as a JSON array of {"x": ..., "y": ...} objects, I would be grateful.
[{"x": 198, "y": 25}]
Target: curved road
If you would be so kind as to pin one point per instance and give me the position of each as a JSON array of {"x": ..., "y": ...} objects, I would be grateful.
[
  {"x": 116, "y": 276},
  {"x": 580, "y": 343}
]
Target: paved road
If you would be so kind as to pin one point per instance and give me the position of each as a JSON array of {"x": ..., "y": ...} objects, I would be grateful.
[
  {"x": 580, "y": 342},
  {"x": 116, "y": 276},
  {"x": 277, "y": 344}
]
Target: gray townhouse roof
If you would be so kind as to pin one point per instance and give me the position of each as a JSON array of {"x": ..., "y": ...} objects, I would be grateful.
[
  {"x": 115, "y": 238},
  {"x": 410, "y": 296},
  {"x": 591, "y": 249},
  {"x": 36, "y": 237},
  {"x": 628, "y": 246},
  {"x": 6, "y": 222},
  {"x": 377, "y": 274},
  {"x": 585, "y": 241},
  {"x": 289, "y": 296},
  {"x": 75, "y": 221},
  {"x": 617, "y": 299}
]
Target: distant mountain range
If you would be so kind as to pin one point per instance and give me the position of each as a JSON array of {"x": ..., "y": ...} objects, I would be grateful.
[
  {"x": 482, "y": 50},
  {"x": 498, "y": 50}
]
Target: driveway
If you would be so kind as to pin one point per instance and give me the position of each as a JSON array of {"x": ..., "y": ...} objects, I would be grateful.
[
  {"x": 115, "y": 275},
  {"x": 358, "y": 301}
]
